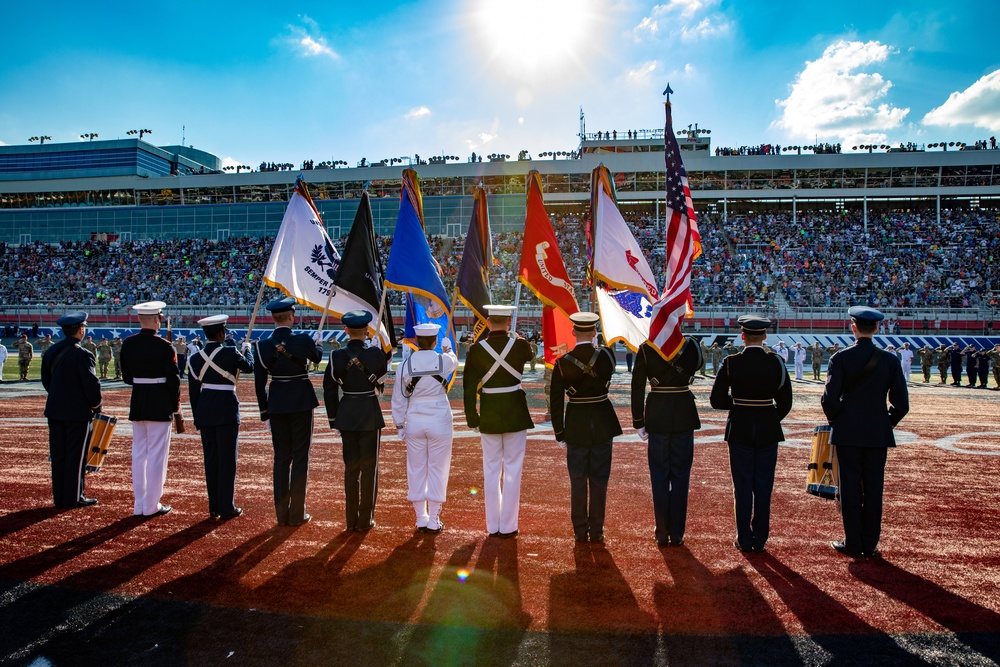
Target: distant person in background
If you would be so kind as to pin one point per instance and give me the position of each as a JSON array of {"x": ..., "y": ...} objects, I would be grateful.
[
  {"x": 983, "y": 367},
  {"x": 181, "y": 350},
  {"x": 956, "y": 365},
  {"x": 943, "y": 356},
  {"x": 800, "y": 360},
  {"x": 3, "y": 359},
  {"x": 971, "y": 363},
  {"x": 906, "y": 360},
  {"x": 25, "y": 353}
]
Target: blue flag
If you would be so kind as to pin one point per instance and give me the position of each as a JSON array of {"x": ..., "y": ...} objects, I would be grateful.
[{"x": 413, "y": 269}]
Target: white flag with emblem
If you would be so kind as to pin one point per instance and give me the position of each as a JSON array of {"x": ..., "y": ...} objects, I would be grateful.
[
  {"x": 625, "y": 316},
  {"x": 618, "y": 259},
  {"x": 304, "y": 262}
]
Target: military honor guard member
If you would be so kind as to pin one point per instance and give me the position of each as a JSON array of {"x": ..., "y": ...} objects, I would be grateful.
[
  {"x": 286, "y": 399},
  {"x": 74, "y": 398},
  {"x": 496, "y": 405},
  {"x": 150, "y": 366},
  {"x": 353, "y": 380},
  {"x": 212, "y": 376},
  {"x": 668, "y": 418},
  {"x": 587, "y": 426},
  {"x": 422, "y": 416},
  {"x": 754, "y": 386},
  {"x": 854, "y": 400}
]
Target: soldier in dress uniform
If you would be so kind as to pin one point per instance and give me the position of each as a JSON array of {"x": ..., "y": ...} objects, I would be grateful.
[
  {"x": 956, "y": 355},
  {"x": 352, "y": 383},
  {"x": 983, "y": 367},
  {"x": 422, "y": 416},
  {"x": 181, "y": 349},
  {"x": 150, "y": 366},
  {"x": 971, "y": 355},
  {"x": 104, "y": 357},
  {"x": 286, "y": 399},
  {"x": 943, "y": 355},
  {"x": 588, "y": 425},
  {"x": 799, "y": 353},
  {"x": 668, "y": 418},
  {"x": 74, "y": 398},
  {"x": 817, "y": 360},
  {"x": 754, "y": 386},
  {"x": 854, "y": 400},
  {"x": 212, "y": 374},
  {"x": 45, "y": 343},
  {"x": 926, "y": 355},
  {"x": 25, "y": 352},
  {"x": 492, "y": 378},
  {"x": 116, "y": 354}
]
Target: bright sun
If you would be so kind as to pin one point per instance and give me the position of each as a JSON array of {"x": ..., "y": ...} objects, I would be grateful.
[{"x": 532, "y": 40}]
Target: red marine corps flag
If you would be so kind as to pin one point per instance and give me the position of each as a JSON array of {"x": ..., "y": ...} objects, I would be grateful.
[
  {"x": 543, "y": 272},
  {"x": 683, "y": 247}
]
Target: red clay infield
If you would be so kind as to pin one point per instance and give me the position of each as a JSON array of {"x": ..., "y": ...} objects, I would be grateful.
[{"x": 938, "y": 578}]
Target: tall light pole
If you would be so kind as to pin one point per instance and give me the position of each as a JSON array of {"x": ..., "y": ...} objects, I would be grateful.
[
  {"x": 89, "y": 135},
  {"x": 139, "y": 132},
  {"x": 42, "y": 139}
]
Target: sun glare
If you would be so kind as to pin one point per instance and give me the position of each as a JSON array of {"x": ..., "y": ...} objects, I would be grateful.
[{"x": 534, "y": 39}]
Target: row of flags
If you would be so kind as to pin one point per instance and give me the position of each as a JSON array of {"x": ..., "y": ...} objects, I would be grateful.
[{"x": 306, "y": 265}]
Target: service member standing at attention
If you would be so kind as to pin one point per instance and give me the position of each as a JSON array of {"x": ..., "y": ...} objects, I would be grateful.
[
  {"x": 817, "y": 360},
  {"x": 358, "y": 372},
  {"x": 74, "y": 399},
  {"x": 150, "y": 366},
  {"x": 212, "y": 387},
  {"x": 287, "y": 403},
  {"x": 906, "y": 360},
  {"x": 422, "y": 415},
  {"x": 25, "y": 352},
  {"x": 588, "y": 425},
  {"x": 754, "y": 386},
  {"x": 800, "y": 360},
  {"x": 181, "y": 349},
  {"x": 668, "y": 418},
  {"x": 493, "y": 370},
  {"x": 943, "y": 360},
  {"x": 854, "y": 400}
]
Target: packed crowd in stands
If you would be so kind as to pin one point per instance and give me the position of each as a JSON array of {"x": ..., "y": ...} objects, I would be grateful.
[{"x": 820, "y": 259}]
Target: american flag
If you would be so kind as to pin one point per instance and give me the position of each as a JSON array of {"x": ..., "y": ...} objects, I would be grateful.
[{"x": 683, "y": 246}]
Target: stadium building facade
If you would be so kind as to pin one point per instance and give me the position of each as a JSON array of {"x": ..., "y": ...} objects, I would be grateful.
[{"x": 132, "y": 190}]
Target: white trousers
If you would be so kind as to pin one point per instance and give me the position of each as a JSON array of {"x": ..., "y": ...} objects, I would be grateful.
[
  {"x": 503, "y": 456},
  {"x": 150, "y": 448},
  {"x": 428, "y": 459},
  {"x": 907, "y": 366},
  {"x": 798, "y": 370}
]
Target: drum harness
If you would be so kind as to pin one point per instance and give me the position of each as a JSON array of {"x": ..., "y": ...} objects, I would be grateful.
[
  {"x": 499, "y": 360},
  {"x": 588, "y": 369}
]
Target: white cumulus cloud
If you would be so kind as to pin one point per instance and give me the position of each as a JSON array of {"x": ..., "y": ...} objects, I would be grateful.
[
  {"x": 646, "y": 26},
  {"x": 705, "y": 29},
  {"x": 642, "y": 75},
  {"x": 417, "y": 112},
  {"x": 683, "y": 7},
  {"x": 831, "y": 99},
  {"x": 307, "y": 41},
  {"x": 978, "y": 105}
]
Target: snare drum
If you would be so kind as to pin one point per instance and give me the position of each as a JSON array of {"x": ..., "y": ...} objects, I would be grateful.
[
  {"x": 824, "y": 477},
  {"x": 98, "y": 440}
]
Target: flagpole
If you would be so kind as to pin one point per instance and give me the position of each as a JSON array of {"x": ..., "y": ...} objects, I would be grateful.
[
  {"x": 381, "y": 312},
  {"x": 517, "y": 302}
]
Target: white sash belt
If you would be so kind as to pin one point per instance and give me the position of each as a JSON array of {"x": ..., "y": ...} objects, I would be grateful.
[
  {"x": 149, "y": 380},
  {"x": 220, "y": 387},
  {"x": 499, "y": 390}
]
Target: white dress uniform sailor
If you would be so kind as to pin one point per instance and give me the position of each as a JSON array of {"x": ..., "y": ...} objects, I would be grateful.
[
  {"x": 800, "y": 360},
  {"x": 423, "y": 417}
]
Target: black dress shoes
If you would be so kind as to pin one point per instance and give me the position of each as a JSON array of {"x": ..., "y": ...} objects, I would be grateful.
[
  {"x": 507, "y": 536},
  {"x": 736, "y": 543},
  {"x": 496, "y": 534},
  {"x": 841, "y": 547},
  {"x": 164, "y": 509},
  {"x": 305, "y": 519},
  {"x": 232, "y": 515}
]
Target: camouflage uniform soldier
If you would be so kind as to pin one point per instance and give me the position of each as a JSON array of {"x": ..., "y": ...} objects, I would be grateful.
[
  {"x": 89, "y": 346},
  {"x": 716, "y": 358},
  {"x": 817, "y": 359},
  {"x": 45, "y": 343},
  {"x": 534, "y": 353},
  {"x": 728, "y": 349},
  {"x": 104, "y": 357},
  {"x": 943, "y": 361},
  {"x": 116, "y": 353},
  {"x": 994, "y": 356},
  {"x": 833, "y": 350},
  {"x": 24, "y": 354},
  {"x": 704, "y": 357},
  {"x": 926, "y": 361}
]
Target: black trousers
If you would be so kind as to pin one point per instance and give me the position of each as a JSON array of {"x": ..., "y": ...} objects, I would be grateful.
[
  {"x": 956, "y": 373},
  {"x": 862, "y": 480},
  {"x": 589, "y": 472},
  {"x": 67, "y": 445},
  {"x": 291, "y": 435},
  {"x": 752, "y": 468},
  {"x": 181, "y": 363},
  {"x": 220, "y": 446},
  {"x": 360, "y": 477},
  {"x": 670, "y": 458}
]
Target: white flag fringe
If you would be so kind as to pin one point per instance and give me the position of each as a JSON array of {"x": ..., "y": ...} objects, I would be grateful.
[
  {"x": 625, "y": 316},
  {"x": 618, "y": 259},
  {"x": 304, "y": 262}
]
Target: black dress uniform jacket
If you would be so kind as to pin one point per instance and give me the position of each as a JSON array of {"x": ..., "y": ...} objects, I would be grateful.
[
  {"x": 354, "y": 411},
  {"x": 861, "y": 418},
  {"x": 755, "y": 375},
  {"x": 285, "y": 357},
  {"x": 505, "y": 412},
  {"x": 147, "y": 355},
  {"x": 74, "y": 390},
  {"x": 590, "y": 423},
  {"x": 665, "y": 411},
  {"x": 212, "y": 407}
]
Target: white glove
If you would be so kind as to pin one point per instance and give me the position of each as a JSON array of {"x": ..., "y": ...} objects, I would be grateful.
[
  {"x": 318, "y": 337},
  {"x": 561, "y": 443},
  {"x": 446, "y": 346},
  {"x": 401, "y": 432},
  {"x": 642, "y": 433},
  {"x": 268, "y": 425},
  {"x": 244, "y": 346}
]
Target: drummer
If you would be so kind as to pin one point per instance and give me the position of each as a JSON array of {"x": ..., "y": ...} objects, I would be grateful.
[{"x": 74, "y": 398}]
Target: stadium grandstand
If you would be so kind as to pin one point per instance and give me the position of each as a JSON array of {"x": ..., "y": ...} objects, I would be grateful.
[{"x": 797, "y": 233}]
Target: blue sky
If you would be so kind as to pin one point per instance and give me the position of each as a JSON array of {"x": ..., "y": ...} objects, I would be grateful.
[{"x": 348, "y": 80}]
